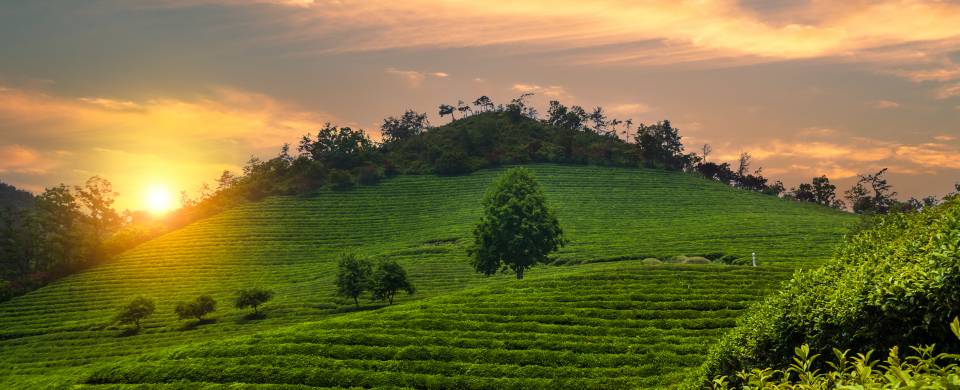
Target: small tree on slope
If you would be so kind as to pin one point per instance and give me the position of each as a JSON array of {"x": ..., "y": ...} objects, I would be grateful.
[
  {"x": 135, "y": 311},
  {"x": 253, "y": 297},
  {"x": 517, "y": 229},
  {"x": 389, "y": 278},
  {"x": 200, "y": 307},
  {"x": 353, "y": 277}
]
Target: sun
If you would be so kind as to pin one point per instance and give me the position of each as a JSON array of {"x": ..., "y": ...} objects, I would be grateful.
[{"x": 158, "y": 199}]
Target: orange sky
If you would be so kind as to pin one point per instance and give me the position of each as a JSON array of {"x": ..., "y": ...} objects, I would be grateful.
[{"x": 175, "y": 91}]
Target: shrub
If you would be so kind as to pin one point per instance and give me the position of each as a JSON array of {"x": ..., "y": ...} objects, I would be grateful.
[
  {"x": 651, "y": 261},
  {"x": 452, "y": 163},
  {"x": 341, "y": 180},
  {"x": 253, "y": 298},
  {"x": 369, "y": 175},
  {"x": 200, "y": 307},
  {"x": 696, "y": 260},
  {"x": 135, "y": 311}
]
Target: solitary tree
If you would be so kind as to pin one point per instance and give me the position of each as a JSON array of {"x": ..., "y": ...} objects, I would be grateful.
[
  {"x": 389, "y": 278},
  {"x": 135, "y": 311},
  {"x": 517, "y": 229},
  {"x": 353, "y": 277},
  {"x": 253, "y": 297},
  {"x": 198, "y": 308}
]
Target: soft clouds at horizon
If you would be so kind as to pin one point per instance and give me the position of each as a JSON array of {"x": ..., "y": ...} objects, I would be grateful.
[{"x": 178, "y": 90}]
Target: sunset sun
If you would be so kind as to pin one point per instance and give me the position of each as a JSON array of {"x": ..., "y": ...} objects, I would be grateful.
[{"x": 158, "y": 199}]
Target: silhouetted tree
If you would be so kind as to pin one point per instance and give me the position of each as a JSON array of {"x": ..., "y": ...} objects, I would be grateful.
[
  {"x": 660, "y": 145},
  {"x": 463, "y": 109},
  {"x": 872, "y": 194},
  {"x": 353, "y": 277},
  {"x": 410, "y": 124},
  {"x": 136, "y": 311},
  {"x": 97, "y": 197},
  {"x": 341, "y": 148},
  {"x": 517, "y": 229},
  {"x": 252, "y": 298},
  {"x": 825, "y": 193},
  {"x": 197, "y": 308},
  {"x": 388, "y": 279},
  {"x": 446, "y": 109},
  {"x": 705, "y": 152},
  {"x": 483, "y": 104}
]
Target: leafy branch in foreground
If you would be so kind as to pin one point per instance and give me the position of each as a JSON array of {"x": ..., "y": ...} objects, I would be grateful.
[{"x": 924, "y": 369}]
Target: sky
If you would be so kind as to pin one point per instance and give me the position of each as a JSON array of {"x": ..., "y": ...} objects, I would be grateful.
[{"x": 172, "y": 92}]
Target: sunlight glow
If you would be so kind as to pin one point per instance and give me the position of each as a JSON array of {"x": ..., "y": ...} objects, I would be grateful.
[{"x": 158, "y": 199}]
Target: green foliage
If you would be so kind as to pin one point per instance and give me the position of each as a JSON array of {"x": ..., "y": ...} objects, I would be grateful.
[
  {"x": 253, "y": 298},
  {"x": 197, "y": 308},
  {"x": 388, "y": 279},
  {"x": 893, "y": 282},
  {"x": 923, "y": 369},
  {"x": 517, "y": 229},
  {"x": 135, "y": 311},
  {"x": 291, "y": 244},
  {"x": 353, "y": 277}
]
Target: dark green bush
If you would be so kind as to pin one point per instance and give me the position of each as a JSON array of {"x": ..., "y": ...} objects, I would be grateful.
[{"x": 895, "y": 282}]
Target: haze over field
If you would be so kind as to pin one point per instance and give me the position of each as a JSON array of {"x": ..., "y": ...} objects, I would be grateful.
[{"x": 169, "y": 93}]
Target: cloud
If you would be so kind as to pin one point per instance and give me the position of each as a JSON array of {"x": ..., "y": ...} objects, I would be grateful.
[
  {"x": 415, "y": 78},
  {"x": 686, "y": 30},
  {"x": 945, "y": 138},
  {"x": 884, "y": 104},
  {"x": 948, "y": 91},
  {"x": 181, "y": 141},
  {"x": 629, "y": 109}
]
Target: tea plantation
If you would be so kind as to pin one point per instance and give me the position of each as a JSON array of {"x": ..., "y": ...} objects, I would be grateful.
[{"x": 602, "y": 319}]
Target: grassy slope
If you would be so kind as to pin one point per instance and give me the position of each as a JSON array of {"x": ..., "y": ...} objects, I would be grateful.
[{"x": 53, "y": 335}]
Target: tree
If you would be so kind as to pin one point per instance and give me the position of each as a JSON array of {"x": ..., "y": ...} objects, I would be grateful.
[
  {"x": 409, "y": 125},
  {"x": 483, "y": 104},
  {"x": 338, "y": 147},
  {"x": 464, "y": 109},
  {"x": 517, "y": 229},
  {"x": 660, "y": 145},
  {"x": 389, "y": 278},
  {"x": 744, "y": 164},
  {"x": 881, "y": 199},
  {"x": 705, "y": 152},
  {"x": 446, "y": 109},
  {"x": 200, "y": 307},
  {"x": 804, "y": 193},
  {"x": 136, "y": 311},
  {"x": 97, "y": 197},
  {"x": 825, "y": 193},
  {"x": 253, "y": 297},
  {"x": 353, "y": 277}
]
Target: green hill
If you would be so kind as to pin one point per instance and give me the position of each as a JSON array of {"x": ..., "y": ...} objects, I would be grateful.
[{"x": 63, "y": 332}]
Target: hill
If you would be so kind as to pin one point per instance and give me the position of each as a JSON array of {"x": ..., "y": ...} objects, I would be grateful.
[
  {"x": 58, "y": 334},
  {"x": 13, "y": 197}
]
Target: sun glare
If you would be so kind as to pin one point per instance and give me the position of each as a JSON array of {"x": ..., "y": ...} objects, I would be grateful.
[{"x": 159, "y": 199}]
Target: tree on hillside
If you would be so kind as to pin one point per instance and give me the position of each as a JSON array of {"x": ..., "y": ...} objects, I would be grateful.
[
  {"x": 705, "y": 152},
  {"x": 743, "y": 166},
  {"x": 197, "y": 308},
  {"x": 446, "y": 109},
  {"x": 483, "y": 104},
  {"x": 353, "y": 277},
  {"x": 872, "y": 194},
  {"x": 660, "y": 145},
  {"x": 388, "y": 279},
  {"x": 409, "y": 125},
  {"x": 560, "y": 116},
  {"x": 825, "y": 193},
  {"x": 253, "y": 298},
  {"x": 97, "y": 197},
  {"x": 136, "y": 311},
  {"x": 517, "y": 229},
  {"x": 464, "y": 109},
  {"x": 338, "y": 147}
]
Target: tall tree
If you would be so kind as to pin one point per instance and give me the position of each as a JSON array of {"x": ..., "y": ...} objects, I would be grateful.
[
  {"x": 660, "y": 145},
  {"x": 517, "y": 229},
  {"x": 97, "y": 197},
  {"x": 872, "y": 194},
  {"x": 483, "y": 104},
  {"x": 353, "y": 277},
  {"x": 825, "y": 193},
  {"x": 463, "y": 109}
]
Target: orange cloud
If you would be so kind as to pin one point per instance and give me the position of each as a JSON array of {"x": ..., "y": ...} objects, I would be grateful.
[{"x": 884, "y": 104}]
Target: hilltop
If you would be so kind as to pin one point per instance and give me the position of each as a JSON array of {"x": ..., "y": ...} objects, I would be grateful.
[{"x": 62, "y": 332}]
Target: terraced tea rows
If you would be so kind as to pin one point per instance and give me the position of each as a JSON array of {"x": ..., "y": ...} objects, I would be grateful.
[
  {"x": 598, "y": 326},
  {"x": 290, "y": 244}
]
